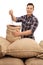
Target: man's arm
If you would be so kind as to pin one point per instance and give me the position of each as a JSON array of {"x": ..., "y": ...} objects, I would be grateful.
[
  {"x": 12, "y": 16},
  {"x": 16, "y": 19},
  {"x": 24, "y": 33}
]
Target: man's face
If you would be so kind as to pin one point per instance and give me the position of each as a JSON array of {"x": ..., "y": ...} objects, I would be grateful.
[{"x": 29, "y": 9}]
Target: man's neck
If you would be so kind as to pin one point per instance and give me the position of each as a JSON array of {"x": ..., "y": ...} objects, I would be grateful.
[{"x": 29, "y": 15}]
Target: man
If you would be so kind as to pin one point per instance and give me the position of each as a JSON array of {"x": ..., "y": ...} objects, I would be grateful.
[{"x": 29, "y": 22}]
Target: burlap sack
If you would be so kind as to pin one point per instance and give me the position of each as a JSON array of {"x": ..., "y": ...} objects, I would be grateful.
[
  {"x": 24, "y": 48},
  {"x": 34, "y": 61},
  {"x": 9, "y": 36},
  {"x": 3, "y": 46},
  {"x": 11, "y": 61}
]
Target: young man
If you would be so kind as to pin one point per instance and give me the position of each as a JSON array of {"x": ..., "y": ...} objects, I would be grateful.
[{"x": 29, "y": 22}]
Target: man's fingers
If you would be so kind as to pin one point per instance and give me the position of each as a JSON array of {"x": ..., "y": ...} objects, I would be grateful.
[{"x": 10, "y": 12}]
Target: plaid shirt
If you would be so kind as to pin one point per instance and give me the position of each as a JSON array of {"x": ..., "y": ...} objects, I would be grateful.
[{"x": 28, "y": 23}]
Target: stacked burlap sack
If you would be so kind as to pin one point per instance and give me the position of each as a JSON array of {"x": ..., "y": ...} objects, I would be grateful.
[
  {"x": 9, "y": 36},
  {"x": 21, "y": 48},
  {"x": 34, "y": 61},
  {"x": 24, "y": 48},
  {"x": 11, "y": 61}
]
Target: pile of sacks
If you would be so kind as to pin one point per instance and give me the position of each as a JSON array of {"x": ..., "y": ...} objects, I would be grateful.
[{"x": 20, "y": 49}]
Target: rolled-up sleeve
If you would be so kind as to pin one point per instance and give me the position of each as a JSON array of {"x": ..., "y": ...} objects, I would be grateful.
[
  {"x": 19, "y": 19},
  {"x": 35, "y": 25}
]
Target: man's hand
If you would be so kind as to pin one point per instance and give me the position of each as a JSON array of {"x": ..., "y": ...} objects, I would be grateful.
[
  {"x": 16, "y": 34},
  {"x": 11, "y": 12},
  {"x": 13, "y": 17}
]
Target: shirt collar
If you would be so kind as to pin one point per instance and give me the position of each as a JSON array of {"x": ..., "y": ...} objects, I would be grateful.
[{"x": 29, "y": 16}]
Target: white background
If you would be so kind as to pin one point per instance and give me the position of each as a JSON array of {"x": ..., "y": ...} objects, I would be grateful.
[{"x": 19, "y": 8}]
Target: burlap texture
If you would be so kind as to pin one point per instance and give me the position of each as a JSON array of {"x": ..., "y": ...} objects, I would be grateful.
[
  {"x": 11, "y": 61},
  {"x": 34, "y": 61},
  {"x": 41, "y": 43},
  {"x": 24, "y": 48},
  {"x": 9, "y": 36},
  {"x": 3, "y": 46}
]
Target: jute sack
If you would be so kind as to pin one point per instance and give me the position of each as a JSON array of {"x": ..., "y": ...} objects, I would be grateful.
[
  {"x": 11, "y": 61},
  {"x": 9, "y": 36},
  {"x": 24, "y": 48},
  {"x": 34, "y": 61},
  {"x": 3, "y": 46}
]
